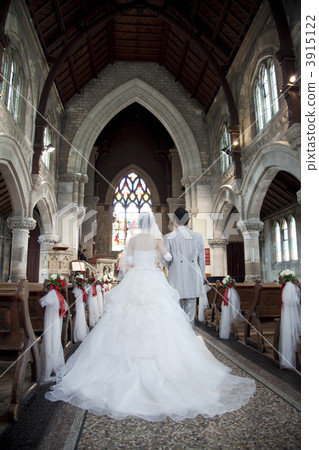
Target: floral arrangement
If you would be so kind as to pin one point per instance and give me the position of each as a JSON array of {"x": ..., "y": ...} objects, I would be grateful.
[
  {"x": 227, "y": 282},
  {"x": 100, "y": 281},
  {"x": 286, "y": 275},
  {"x": 108, "y": 277},
  {"x": 91, "y": 280},
  {"x": 57, "y": 281},
  {"x": 80, "y": 281}
]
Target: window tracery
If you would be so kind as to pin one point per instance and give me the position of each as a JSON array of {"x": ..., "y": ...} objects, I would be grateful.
[{"x": 131, "y": 197}]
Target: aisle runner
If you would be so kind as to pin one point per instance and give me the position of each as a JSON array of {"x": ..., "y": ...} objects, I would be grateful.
[{"x": 266, "y": 419}]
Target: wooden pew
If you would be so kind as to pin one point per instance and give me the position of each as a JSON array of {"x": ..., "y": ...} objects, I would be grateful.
[
  {"x": 215, "y": 297},
  {"x": 246, "y": 292},
  {"x": 266, "y": 306},
  {"x": 17, "y": 341}
]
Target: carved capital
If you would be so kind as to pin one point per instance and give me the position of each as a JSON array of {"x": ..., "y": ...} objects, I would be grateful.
[
  {"x": 247, "y": 226},
  {"x": 293, "y": 136},
  {"x": 22, "y": 223},
  {"x": 71, "y": 177},
  {"x": 236, "y": 186},
  {"x": 37, "y": 180},
  {"x": 217, "y": 242},
  {"x": 84, "y": 178},
  {"x": 49, "y": 239}
]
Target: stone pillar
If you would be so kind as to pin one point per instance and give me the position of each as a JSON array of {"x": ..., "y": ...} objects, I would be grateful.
[
  {"x": 177, "y": 173},
  {"x": 250, "y": 229},
  {"x": 46, "y": 241},
  {"x": 82, "y": 182},
  {"x": 69, "y": 188},
  {"x": 20, "y": 227},
  {"x": 219, "y": 256},
  {"x": 89, "y": 225},
  {"x": 298, "y": 194}
]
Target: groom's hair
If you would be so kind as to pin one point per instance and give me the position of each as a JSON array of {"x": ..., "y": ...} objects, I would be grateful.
[{"x": 181, "y": 216}]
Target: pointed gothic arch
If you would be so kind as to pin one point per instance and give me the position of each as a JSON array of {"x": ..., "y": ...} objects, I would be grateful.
[
  {"x": 264, "y": 167},
  {"x": 141, "y": 92}
]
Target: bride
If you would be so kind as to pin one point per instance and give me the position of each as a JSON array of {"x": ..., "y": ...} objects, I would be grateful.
[{"x": 143, "y": 358}]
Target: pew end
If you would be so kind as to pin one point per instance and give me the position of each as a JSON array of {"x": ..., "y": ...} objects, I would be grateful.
[{"x": 19, "y": 352}]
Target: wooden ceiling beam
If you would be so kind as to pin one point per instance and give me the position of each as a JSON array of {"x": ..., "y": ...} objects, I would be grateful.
[
  {"x": 41, "y": 7},
  {"x": 110, "y": 37},
  {"x": 36, "y": 26},
  {"x": 209, "y": 24},
  {"x": 229, "y": 12},
  {"x": 195, "y": 9},
  {"x": 182, "y": 59},
  {"x": 203, "y": 30},
  {"x": 199, "y": 79},
  {"x": 83, "y": 33},
  {"x": 70, "y": 60},
  {"x": 89, "y": 41},
  {"x": 244, "y": 10},
  {"x": 165, "y": 38},
  {"x": 221, "y": 19}
]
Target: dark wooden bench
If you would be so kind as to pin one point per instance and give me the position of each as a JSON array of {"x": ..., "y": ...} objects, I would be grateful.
[
  {"x": 246, "y": 292},
  {"x": 266, "y": 307},
  {"x": 18, "y": 344},
  {"x": 215, "y": 298}
]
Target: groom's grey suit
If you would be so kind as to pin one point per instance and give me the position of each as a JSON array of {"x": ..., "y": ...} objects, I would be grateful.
[{"x": 186, "y": 271}]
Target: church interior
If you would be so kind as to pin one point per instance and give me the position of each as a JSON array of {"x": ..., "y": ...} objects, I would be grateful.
[{"x": 112, "y": 108}]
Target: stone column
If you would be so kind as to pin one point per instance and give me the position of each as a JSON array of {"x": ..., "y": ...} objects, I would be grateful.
[
  {"x": 69, "y": 188},
  {"x": 46, "y": 241},
  {"x": 89, "y": 225},
  {"x": 250, "y": 229},
  {"x": 219, "y": 256},
  {"x": 177, "y": 173},
  {"x": 20, "y": 227},
  {"x": 82, "y": 182}
]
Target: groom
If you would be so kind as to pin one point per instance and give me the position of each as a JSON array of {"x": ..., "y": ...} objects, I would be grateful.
[{"x": 186, "y": 271}]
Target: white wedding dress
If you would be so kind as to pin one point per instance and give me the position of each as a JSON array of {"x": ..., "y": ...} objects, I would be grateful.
[{"x": 143, "y": 358}]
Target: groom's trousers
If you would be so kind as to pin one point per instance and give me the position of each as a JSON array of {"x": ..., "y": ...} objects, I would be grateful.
[{"x": 189, "y": 306}]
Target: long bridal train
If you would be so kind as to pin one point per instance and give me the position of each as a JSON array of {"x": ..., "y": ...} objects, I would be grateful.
[{"x": 143, "y": 358}]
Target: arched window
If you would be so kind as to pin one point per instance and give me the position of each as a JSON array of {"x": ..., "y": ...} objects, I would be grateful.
[
  {"x": 12, "y": 82},
  {"x": 285, "y": 240},
  {"x": 292, "y": 238},
  {"x": 131, "y": 197},
  {"x": 277, "y": 242},
  {"x": 265, "y": 94},
  {"x": 46, "y": 155},
  {"x": 225, "y": 149}
]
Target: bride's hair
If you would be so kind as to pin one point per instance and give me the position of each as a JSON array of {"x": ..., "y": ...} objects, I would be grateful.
[
  {"x": 146, "y": 224},
  {"x": 145, "y": 221}
]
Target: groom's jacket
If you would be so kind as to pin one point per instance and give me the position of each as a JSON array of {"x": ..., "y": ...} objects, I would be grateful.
[{"x": 186, "y": 271}]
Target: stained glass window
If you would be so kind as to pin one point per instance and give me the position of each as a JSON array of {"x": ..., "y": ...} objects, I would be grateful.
[{"x": 131, "y": 197}]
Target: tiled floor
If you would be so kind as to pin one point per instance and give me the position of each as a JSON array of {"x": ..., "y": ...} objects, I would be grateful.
[{"x": 271, "y": 420}]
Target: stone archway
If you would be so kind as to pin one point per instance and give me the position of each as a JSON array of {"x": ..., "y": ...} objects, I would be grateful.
[
  {"x": 264, "y": 167},
  {"x": 16, "y": 174},
  {"x": 138, "y": 91}
]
